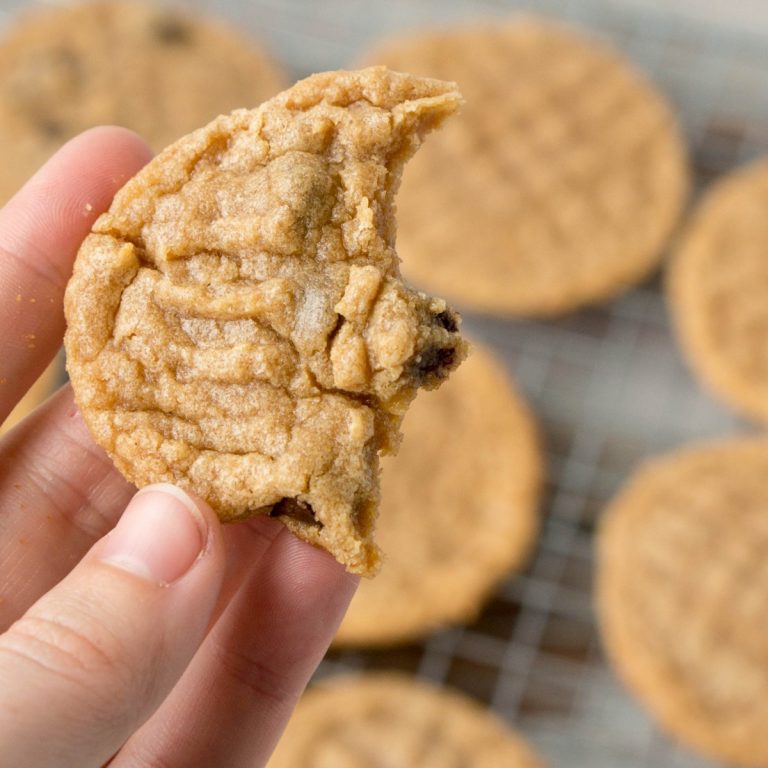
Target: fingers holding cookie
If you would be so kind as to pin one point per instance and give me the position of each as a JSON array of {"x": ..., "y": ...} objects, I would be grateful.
[
  {"x": 242, "y": 685},
  {"x": 41, "y": 228},
  {"x": 59, "y": 493},
  {"x": 57, "y": 490}
]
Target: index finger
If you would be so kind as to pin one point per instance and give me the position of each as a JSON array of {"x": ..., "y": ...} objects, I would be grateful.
[{"x": 41, "y": 228}]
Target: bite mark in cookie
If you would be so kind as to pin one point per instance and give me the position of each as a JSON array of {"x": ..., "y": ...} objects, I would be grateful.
[{"x": 237, "y": 320}]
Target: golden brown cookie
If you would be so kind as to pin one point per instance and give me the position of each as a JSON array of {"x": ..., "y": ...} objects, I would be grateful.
[
  {"x": 682, "y": 587},
  {"x": 159, "y": 71},
  {"x": 354, "y": 721},
  {"x": 557, "y": 186},
  {"x": 458, "y": 509},
  {"x": 36, "y": 394},
  {"x": 237, "y": 321},
  {"x": 718, "y": 290}
]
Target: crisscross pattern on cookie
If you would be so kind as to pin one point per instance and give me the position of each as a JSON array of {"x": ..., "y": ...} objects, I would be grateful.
[
  {"x": 557, "y": 185},
  {"x": 388, "y": 721},
  {"x": 683, "y": 586},
  {"x": 719, "y": 289}
]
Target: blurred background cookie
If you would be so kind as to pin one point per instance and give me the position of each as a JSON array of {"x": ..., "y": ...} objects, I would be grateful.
[
  {"x": 557, "y": 186},
  {"x": 158, "y": 71},
  {"x": 682, "y": 587},
  {"x": 386, "y": 719},
  {"x": 459, "y": 507},
  {"x": 718, "y": 289},
  {"x": 608, "y": 383}
]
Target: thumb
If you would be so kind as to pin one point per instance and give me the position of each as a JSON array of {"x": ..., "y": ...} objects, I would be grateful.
[{"x": 93, "y": 658}]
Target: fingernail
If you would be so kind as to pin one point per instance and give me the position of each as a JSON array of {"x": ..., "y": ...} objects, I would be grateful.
[{"x": 159, "y": 536}]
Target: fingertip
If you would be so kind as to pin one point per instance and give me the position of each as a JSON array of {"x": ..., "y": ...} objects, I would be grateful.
[
  {"x": 118, "y": 139},
  {"x": 313, "y": 573},
  {"x": 113, "y": 154},
  {"x": 160, "y": 536},
  {"x": 204, "y": 515},
  {"x": 196, "y": 505},
  {"x": 47, "y": 219},
  {"x": 259, "y": 655},
  {"x": 96, "y": 164},
  {"x": 132, "y": 615},
  {"x": 99, "y": 161}
]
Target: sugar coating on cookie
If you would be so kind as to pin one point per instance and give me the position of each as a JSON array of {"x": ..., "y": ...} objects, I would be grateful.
[
  {"x": 237, "y": 323},
  {"x": 718, "y": 290},
  {"x": 353, "y": 721},
  {"x": 682, "y": 590},
  {"x": 557, "y": 186},
  {"x": 458, "y": 508},
  {"x": 157, "y": 70}
]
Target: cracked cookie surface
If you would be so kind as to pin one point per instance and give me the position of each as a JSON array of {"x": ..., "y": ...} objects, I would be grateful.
[
  {"x": 378, "y": 720},
  {"x": 237, "y": 323}
]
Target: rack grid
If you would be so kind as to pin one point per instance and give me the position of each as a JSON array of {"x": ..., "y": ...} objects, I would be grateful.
[{"x": 608, "y": 384}]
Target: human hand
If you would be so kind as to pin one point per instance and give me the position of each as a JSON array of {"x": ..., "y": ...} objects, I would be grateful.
[{"x": 164, "y": 639}]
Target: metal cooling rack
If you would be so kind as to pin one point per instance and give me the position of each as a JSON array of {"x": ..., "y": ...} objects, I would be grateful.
[{"x": 608, "y": 384}]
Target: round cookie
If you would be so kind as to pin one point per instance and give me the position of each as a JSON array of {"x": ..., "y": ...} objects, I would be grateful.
[
  {"x": 158, "y": 71},
  {"x": 682, "y": 589},
  {"x": 36, "y": 394},
  {"x": 559, "y": 184},
  {"x": 718, "y": 290},
  {"x": 237, "y": 323},
  {"x": 353, "y": 721},
  {"x": 458, "y": 508}
]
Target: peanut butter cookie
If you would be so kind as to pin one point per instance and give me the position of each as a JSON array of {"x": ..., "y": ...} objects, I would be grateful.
[
  {"x": 353, "y": 721},
  {"x": 682, "y": 586},
  {"x": 718, "y": 290},
  {"x": 458, "y": 509},
  {"x": 237, "y": 321},
  {"x": 557, "y": 186},
  {"x": 156, "y": 70}
]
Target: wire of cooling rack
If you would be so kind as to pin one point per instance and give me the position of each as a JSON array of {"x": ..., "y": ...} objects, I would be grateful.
[
  {"x": 608, "y": 384},
  {"x": 609, "y": 387}
]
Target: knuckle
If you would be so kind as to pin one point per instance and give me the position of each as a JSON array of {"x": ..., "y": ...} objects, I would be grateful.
[
  {"x": 80, "y": 652},
  {"x": 48, "y": 484},
  {"x": 255, "y": 674}
]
